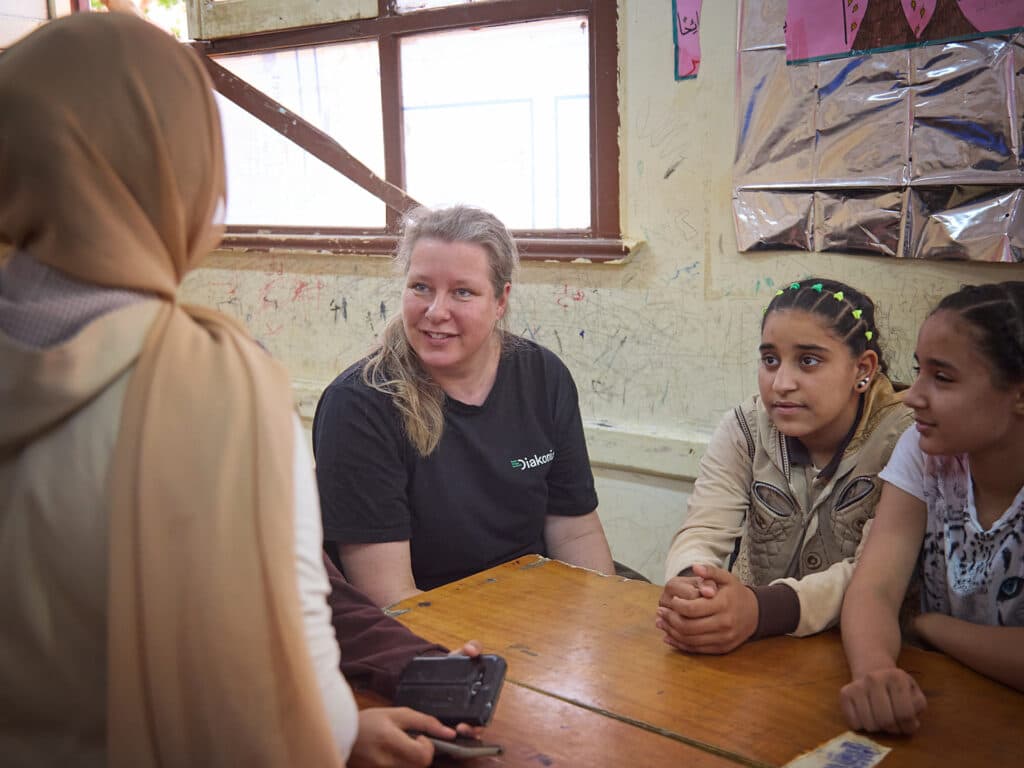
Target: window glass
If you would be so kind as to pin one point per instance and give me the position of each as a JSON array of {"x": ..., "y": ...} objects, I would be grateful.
[
  {"x": 405, "y": 6},
  {"x": 270, "y": 178},
  {"x": 499, "y": 117}
]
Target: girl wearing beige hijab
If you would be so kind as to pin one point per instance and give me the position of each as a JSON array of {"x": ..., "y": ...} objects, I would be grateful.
[{"x": 161, "y": 586}]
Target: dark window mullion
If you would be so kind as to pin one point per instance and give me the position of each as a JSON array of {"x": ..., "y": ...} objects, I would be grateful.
[
  {"x": 604, "y": 120},
  {"x": 389, "y": 50}
]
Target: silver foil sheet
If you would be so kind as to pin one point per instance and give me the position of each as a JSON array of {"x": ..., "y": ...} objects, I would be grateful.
[{"x": 913, "y": 153}]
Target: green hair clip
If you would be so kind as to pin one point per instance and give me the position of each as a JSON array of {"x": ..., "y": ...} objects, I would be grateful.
[{"x": 837, "y": 295}]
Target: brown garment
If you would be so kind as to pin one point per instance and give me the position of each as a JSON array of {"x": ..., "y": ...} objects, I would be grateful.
[
  {"x": 112, "y": 171},
  {"x": 374, "y": 647}
]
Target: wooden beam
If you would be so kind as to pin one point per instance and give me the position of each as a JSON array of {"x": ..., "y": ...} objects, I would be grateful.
[{"x": 306, "y": 135}]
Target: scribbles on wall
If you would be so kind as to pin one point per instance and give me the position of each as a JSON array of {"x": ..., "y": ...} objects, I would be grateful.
[
  {"x": 820, "y": 29},
  {"x": 631, "y": 351},
  {"x": 913, "y": 153},
  {"x": 565, "y": 295},
  {"x": 686, "y": 16},
  {"x": 337, "y": 308}
]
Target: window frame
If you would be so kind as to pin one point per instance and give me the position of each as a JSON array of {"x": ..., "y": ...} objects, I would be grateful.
[{"x": 602, "y": 241}]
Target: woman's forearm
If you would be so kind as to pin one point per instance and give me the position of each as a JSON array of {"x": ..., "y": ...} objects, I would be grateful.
[
  {"x": 579, "y": 541},
  {"x": 590, "y": 551},
  {"x": 383, "y": 572}
]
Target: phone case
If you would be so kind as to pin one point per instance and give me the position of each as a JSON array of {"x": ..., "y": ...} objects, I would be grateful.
[
  {"x": 454, "y": 689},
  {"x": 464, "y": 748}
]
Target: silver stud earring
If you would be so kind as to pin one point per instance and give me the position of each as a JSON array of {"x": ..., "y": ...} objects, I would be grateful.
[{"x": 863, "y": 383}]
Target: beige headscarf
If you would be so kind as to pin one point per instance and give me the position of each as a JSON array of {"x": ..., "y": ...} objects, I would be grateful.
[{"x": 112, "y": 171}]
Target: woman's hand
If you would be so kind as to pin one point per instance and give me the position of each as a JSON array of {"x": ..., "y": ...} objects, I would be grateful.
[
  {"x": 886, "y": 699},
  {"x": 383, "y": 741}
]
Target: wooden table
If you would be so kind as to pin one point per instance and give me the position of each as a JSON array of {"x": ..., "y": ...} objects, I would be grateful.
[
  {"x": 540, "y": 731},
  {"x": 588, "y": 642}
]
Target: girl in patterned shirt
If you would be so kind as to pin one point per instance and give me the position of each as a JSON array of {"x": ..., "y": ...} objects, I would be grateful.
[{"x": 953, "y": 497}]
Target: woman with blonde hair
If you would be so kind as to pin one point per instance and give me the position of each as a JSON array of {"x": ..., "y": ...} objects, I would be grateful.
[
  {"x": 163, "y": 595},
  {"x": 454, "y": 446}
]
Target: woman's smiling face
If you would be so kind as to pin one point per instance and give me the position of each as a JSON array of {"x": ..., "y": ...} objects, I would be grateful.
[{"x": 449, "y": 307}]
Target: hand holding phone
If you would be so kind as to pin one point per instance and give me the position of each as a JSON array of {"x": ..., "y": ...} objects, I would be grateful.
[
  {"x": 388, "y": 736},
  {"x": 454, "y": 689}
]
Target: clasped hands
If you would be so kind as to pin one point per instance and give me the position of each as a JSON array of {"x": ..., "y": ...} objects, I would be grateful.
[{"x": 709, "y": 612}]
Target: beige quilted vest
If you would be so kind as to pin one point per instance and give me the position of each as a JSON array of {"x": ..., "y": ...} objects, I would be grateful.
[{"x": 786, "y": 535}]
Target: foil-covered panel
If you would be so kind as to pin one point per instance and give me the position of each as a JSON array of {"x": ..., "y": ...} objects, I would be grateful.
[
  {"x": 913, "y": 153},
  {"x": 776, "y": 114},
  {"x": 976, "y": 223},
  {"x": 775, "y": 219},
  {"x": 865, "y": 221},
  {"x": 863, "y": 108},
  {"x": 964, "y": 113}
]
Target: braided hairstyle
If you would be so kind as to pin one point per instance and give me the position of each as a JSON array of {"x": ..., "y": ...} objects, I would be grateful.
[
  {"x": 848, "y": 313},
  {"x": 995, "y": 312}
]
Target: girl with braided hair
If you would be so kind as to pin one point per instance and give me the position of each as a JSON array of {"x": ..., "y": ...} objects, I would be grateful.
[
  {"x": 953, "y": 500},
  {"x": 788, "y": 484}
]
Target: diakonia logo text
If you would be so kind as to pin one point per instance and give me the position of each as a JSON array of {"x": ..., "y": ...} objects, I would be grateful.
[{"x": 526, "y": 463}]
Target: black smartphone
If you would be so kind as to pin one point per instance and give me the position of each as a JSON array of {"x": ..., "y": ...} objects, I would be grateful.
[
  {"x": 463, "y": 748},
  {"x": 454, "y": 689}
]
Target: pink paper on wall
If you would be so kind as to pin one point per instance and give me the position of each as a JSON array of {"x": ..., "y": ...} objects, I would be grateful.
[
  {"x": 823, "y": 29},
  {"x": 815, "y": 29},
  {"x": 918, "y": 13},
  {"x": 686, "y": 16},
  {"x": 993, "y": 14}
]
